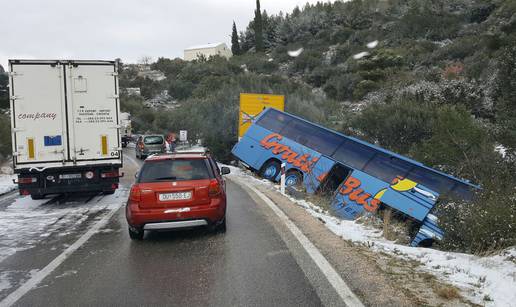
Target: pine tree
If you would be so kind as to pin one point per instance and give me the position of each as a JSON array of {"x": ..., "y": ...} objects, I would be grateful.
[
  {"x": 235, "y": 44},
  {"x": 258, "y": 28}
]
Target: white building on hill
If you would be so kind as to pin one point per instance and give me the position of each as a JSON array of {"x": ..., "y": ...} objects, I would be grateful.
[{"x": 208, "y": 50}]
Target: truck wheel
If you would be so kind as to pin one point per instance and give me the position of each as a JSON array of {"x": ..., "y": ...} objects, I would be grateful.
[
  {"x": 37, "y": 196},
  {"x": 270, "y": 170},
  {"x": 136, "y": 233}
]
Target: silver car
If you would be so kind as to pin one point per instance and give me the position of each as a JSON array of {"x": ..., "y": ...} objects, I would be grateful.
[{"x": 149, "y": 144}]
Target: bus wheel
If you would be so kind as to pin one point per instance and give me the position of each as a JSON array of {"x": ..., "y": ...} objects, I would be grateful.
[
  {"x": 270, "y": 170},
  {"x": 293, "y": 178}
]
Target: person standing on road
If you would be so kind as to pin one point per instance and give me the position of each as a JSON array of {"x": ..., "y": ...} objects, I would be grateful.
[{"x": 170, "y": 142}]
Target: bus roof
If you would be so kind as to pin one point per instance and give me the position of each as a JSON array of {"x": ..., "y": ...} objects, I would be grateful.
[{"x": 388, "y": 152}]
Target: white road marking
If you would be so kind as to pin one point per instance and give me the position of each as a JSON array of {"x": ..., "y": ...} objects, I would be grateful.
[
  {"x": 47, "y": 270},
  {"x": 342, "y": 289},
  {"x": 40, "y": 275},
  {"x": 132, "y": 160}
]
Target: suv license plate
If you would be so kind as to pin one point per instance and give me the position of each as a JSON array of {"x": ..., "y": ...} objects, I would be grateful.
[
  {"x": 175, "y": 196},
  {"x": 70, "y": 176}
]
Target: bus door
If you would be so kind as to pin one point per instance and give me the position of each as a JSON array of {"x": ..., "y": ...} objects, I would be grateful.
[
  {"x": 318, "y": 174},
  {"x": 334, "y": 178}
]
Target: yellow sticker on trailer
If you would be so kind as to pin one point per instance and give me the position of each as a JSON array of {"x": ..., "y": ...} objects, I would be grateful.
[
  {"x": 30, "y": 146},
  {"x": 251, "y": 105},
  {"x": 104, "y": 145}
]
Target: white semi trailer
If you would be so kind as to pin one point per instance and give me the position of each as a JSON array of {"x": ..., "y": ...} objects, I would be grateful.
[{"x": 65, "y": 121}]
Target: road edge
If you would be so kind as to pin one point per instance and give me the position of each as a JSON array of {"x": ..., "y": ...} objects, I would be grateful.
[{"x": 332, "y": 276}]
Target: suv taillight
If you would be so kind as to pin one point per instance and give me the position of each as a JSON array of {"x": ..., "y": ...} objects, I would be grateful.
[
  {"x": 27, "y": 180},
  {"x": 112, "y": 174},
  {"x": 214, "y": 188},
  {"x": 135, "y": 194}
]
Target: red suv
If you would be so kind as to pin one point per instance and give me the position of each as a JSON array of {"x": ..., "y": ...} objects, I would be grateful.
[{"x": 178, "y": 190}]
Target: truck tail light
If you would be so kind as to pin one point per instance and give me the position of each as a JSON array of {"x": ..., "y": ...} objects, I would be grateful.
[
  {"x": 27, "y": 180},
  {"x": 111, "y": 174},
  {"x": 214, "y": 188},
  {"x": 135, "y": 194}
]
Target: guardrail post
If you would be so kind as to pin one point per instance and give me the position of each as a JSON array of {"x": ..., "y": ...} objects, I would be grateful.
[{"x": 282, "y": 181}]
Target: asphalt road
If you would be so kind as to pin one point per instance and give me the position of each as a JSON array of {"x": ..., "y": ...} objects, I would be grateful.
[{"x": 249, "y": 265}]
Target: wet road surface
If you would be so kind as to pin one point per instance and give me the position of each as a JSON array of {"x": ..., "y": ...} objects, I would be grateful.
[{"x": 248, "y": 265}]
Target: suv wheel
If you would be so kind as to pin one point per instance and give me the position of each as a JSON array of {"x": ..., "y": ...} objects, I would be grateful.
[
  {"x": 136, "y": 233},
  {"x": 219, "y": 226}
]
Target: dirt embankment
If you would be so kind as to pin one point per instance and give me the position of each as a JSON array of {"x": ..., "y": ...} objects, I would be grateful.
[{"x": 377, "y": 278}]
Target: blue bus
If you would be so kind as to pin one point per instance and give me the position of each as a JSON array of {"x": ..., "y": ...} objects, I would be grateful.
[{"x": 363, "y": 177}]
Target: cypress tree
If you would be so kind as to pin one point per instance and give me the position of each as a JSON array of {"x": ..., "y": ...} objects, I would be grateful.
[
  {"x": 258, "y": 28},
  {"x": 235, "y": 44}
]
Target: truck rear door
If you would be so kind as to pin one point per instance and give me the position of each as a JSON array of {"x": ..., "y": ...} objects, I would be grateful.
[
  {"x": 92, "y": 93},
  {"x": 37, "y": 104}
]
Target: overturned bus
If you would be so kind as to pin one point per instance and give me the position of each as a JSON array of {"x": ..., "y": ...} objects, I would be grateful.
[{"x": 361, "y": 176}]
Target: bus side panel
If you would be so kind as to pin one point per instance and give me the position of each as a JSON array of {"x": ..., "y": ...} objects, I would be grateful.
[
  {"x": 358, "y": 194},
  {"x": 361, "y": 193},
  {"x": 249, "y": 151},
  {"x": 313, "y": 179},
  {"x": 415, "y": 202}
]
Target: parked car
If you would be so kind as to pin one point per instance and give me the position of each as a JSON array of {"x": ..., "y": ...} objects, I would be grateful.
[
  {"x": 149, "y": 144},
  {"x": 177, "y": 190},
  {"x": 126, "y": 139}
]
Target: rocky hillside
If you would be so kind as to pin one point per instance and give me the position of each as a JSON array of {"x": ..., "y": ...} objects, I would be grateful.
[{"x": 433, "y": 80}]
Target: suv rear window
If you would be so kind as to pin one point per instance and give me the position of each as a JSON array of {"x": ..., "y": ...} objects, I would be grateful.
[
  {"x": 153, "y": 140},
  {"x": 177, "y": 170}
]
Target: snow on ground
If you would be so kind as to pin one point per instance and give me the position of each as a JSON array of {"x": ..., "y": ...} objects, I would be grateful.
[
  {"x": 26, "y": 222},
  {"x": 6, "y": 183},
  {"x": 489, "y": 281},
  {"x": 6, "y": 180}
]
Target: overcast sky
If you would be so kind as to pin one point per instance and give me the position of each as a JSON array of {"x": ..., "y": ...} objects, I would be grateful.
[{"x": 129, "y": 29}]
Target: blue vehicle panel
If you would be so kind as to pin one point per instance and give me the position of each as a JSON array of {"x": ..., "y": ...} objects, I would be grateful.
[
  {"x": 367, "y": 175},
  {"x": 318, "y": 174}
]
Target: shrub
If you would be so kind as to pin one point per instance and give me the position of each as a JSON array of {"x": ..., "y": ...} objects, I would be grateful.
[
  {"x": 307, "y": 60},
  {"x": 364, "y": 87},
  {"x": 486, "y": 224},
  {"x": 5, "y": 136},
  {"x": 341, "y": 87},
  {"x": 4, "y": 91},
  {"x": 397, "y": 126},
  {"x": 458, "y": 145},
  {"x": 341, "y": 35},
  {"x": 180, "y": 89}
]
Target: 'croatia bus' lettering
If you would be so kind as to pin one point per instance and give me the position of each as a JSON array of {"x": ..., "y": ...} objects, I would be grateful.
[{"x": 303, "y": 162}]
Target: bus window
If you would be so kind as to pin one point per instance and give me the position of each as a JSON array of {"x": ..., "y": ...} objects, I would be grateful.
[
  {"x": 387, "y": 168},
  {"x": 273, "y": 120},
  {"x": 353, "y": 154},
  {"x": 297, "y": 131},
  {"x": 462, "y": 191},
  {"x": 433, "y": 181},
  {"x": 312, "y": 137}
]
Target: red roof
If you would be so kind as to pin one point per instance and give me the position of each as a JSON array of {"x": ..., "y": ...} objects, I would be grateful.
[{"x": 172, "y": 156}]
